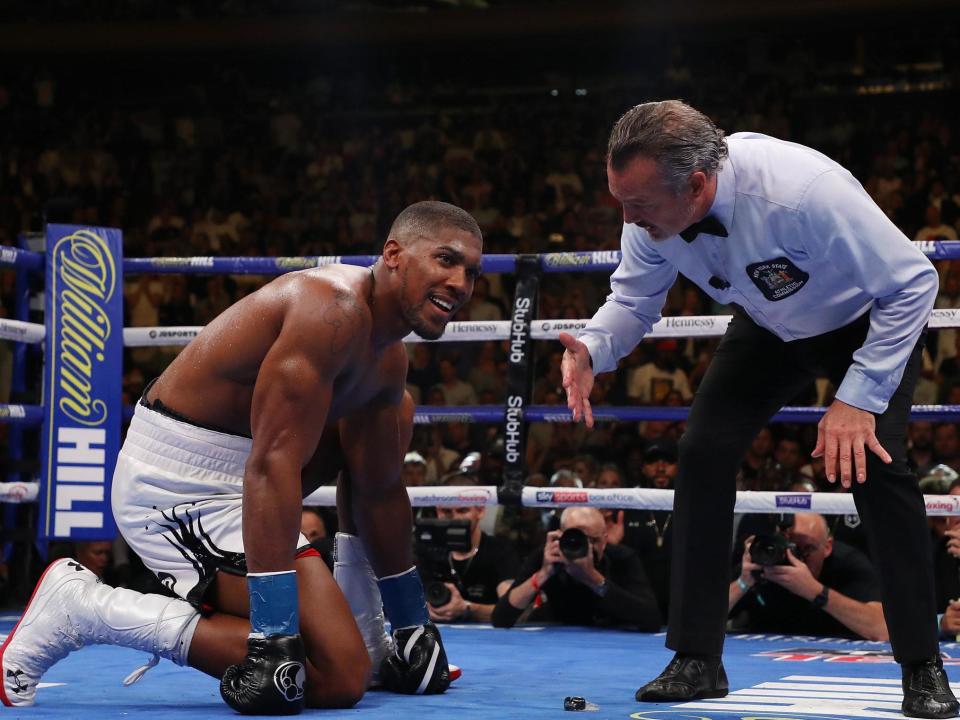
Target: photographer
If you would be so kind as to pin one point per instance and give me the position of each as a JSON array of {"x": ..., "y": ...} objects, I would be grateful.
[
  {"x": 576, "y": 578},
  {"x": 803, "y": 582},
  {"x": 464, "y": 585}
]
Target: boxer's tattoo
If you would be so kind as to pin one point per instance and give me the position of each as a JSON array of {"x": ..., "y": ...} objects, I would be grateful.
[{"x": 343, "y": 316}]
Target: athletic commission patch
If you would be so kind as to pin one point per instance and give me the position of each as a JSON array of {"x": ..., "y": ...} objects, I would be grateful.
[{"x": 777, "y": 278}]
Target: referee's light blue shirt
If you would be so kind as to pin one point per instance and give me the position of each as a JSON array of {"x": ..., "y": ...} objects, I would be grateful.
[{"x": 808, "y": 252}]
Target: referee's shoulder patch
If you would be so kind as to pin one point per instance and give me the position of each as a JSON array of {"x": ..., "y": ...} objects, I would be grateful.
[{"x": 777, "y": 278}]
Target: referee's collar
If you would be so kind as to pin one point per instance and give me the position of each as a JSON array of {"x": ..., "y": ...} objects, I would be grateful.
[{"x": 724, "y": 200}]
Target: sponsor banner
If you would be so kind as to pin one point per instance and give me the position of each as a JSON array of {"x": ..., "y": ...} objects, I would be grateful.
[
  {"x": 595, "y": 260},
  {"x": 939, "y": 249},
  {"x": 430, "y": 418},
  {"x": 945, "y": 318},
  {"x": 157, "y": 336},
  {"x": 551, "y": 329},
  {"x": 289, "y": 264},
  {"x": 20, "y": 331},
  {"x": 167, "y": 263},
  {"x": 468, "y": 332},
  {"x": 795, "y": 501},
  {"x": 81, "y": 387},
  {"x": 449, "y": 496},
  {"x": 942, "y": 504},
  {"x": 840, "y": 655},
  {"x": 520, "y": 369},
  {"x": 798, "y": 697},
  {"x": 690, "y": 326},
  {"x": 18, "y": 492},
  {"x": 628, "y": 498}
]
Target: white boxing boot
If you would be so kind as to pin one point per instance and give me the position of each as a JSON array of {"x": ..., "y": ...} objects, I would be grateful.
[
  {"x": 71, "y": 608},
  {"x": 352, "y": 571}
]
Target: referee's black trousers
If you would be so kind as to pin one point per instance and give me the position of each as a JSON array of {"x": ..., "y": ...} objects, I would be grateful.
[{"x": 752, "y": 375}]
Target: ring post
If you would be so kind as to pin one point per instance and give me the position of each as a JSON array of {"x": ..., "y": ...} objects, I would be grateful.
[
  {"x": 519, "y": 376},
  {"x": 82, "y": 381}
]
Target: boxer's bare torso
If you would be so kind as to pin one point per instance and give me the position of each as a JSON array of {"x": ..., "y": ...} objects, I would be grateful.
[{"x": 212, "y": 381}]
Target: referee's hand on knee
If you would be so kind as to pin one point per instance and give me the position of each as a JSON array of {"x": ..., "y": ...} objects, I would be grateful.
[{"x": 844, "y": 434}]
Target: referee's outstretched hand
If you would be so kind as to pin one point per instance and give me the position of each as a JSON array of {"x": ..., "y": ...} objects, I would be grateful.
[
  {"x": 577, "y": 378},
  {"x": 843, "y": 436}
]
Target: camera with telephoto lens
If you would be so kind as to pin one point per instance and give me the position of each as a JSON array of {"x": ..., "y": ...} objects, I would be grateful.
[
  {"x": 771, "y": 549},
  {"x": 433, "y": 542},
  {"x": 574, "y": 543}
]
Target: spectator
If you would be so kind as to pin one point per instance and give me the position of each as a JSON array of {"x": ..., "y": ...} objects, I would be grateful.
[
  {"x": 824, "y": 588},
  {"x": 314, "y": 529},
  {"x": 650, "y": 383},
  {"x": 610, "y": 477},
  {"x": 477, "y": 577},
  {"x": 482, "y": 307},
  {"x": 96, "y": 555},
  {"x": 586, "y": 468},
  {"x": 455, "y": 391},
  {"x": 935, "y": 229},
  {"x": 414, "y": 470},
  {"x": 606, "y": 586},
  {"x": 648, "y": 532},
  {"x": 758, "y": 455},
  {"x": 945, "y": 540},
  {"x": 946, "y": 444},
  {"x": 788, "y": 455},
  {"x": 920, "y": 446}
]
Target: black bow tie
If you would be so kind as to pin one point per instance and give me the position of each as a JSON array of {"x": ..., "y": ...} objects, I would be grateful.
[{"x": 708, "y": 226}]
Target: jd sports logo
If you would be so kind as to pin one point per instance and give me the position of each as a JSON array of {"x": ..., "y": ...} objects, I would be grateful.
[
  {"x": 778, "y": 278},
  {"x": 289, "y": 679}
]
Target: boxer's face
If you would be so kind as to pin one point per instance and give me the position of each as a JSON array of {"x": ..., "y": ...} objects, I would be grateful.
[
  {"x": 438, "y": 275},
  {"x": 649, "y": 202}
]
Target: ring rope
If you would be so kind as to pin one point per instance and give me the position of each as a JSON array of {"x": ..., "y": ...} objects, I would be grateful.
[
  {"x": 676, "y": 326},
  {"x": 580, "y": 261}
]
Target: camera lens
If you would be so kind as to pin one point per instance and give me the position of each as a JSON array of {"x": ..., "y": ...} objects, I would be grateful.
[
  {"x": 574, "y": 544},
  {"x": 437, "y": 593},
  {"x": 771, "y": 550}
]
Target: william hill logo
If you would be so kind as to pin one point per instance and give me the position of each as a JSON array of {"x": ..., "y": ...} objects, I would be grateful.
[{"x": 85, "y": 282}]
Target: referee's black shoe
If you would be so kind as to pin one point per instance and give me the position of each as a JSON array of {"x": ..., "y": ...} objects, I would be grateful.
[
  {"x": 926, "y": 691},
  {"x": 687, "y": 677}
]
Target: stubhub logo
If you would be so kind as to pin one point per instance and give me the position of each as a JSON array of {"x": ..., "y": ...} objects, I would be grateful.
[{"x": 802, "y": 500}]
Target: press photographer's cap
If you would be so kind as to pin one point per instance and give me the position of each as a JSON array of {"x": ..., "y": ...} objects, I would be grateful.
[
  {"x": 414, "y": 457},
  {"x": 937, "y": 480}
]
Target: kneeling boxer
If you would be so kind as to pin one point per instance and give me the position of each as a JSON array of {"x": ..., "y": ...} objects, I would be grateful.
[{"x": 209, "y": 483}]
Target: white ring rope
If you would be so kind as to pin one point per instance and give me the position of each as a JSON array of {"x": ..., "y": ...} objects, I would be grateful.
[
  {"x": 669, "y": 327},
  {"x": 675, "y": 326},
  {"x": 637, "y": 499}
]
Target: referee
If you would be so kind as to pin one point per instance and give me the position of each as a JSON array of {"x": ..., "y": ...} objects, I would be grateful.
[{"x": 821, "y": 282}]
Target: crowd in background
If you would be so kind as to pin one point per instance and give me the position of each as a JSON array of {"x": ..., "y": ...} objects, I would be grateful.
[{"x": 261, "y": 159}]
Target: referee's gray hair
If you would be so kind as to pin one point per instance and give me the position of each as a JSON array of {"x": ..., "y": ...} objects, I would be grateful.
[
  {"x": 678, "y": 137},
  {"x": 422, "y": 219}
]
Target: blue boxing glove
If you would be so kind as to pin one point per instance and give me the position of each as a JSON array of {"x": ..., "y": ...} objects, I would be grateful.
[
  {"x": 418, "y": 664},
  {"x": 271, "y": 678}
]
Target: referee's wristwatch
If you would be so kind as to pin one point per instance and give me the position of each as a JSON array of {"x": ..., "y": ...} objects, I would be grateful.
[{"x": 820, "y": 601}]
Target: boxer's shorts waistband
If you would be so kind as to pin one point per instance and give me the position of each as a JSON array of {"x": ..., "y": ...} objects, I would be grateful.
[{"x": 180, "y": 447}]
